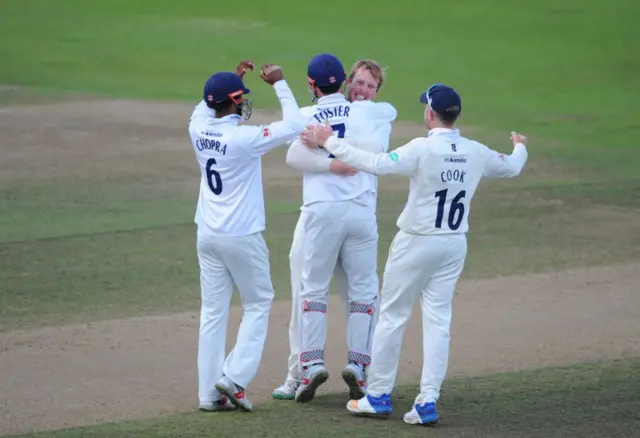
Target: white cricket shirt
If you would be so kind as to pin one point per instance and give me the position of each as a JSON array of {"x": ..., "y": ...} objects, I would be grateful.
[
  {"x": 349, "y": 120},
  {"x": 231, "y": 198},
  {"x": 444, "y": 169}
]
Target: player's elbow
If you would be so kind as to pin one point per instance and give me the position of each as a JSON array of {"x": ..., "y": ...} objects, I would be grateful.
[
  {"x": 519, "y": 167},
  {"x": 514, "y": 172},
  {"x": 292, "y": 158}
]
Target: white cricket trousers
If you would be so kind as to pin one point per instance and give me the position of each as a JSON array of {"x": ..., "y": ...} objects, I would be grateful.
[
  {"x": 345, "y": 230},
  {"x": 417, "y": 266},
  {"x": 296, "y": 262},
  {"x": 225, "y": 262}
]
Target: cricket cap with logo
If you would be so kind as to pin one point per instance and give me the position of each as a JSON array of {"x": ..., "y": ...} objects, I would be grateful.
[
  {"x": 224, "y": 86},
  {"x": 443, "y": 100},
  {"x": 325, "y": 70}
]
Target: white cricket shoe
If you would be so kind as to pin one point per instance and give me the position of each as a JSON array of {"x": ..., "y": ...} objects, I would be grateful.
[
  {"x": 224, "y": 404},
  {"x": 353, "y": 375},
  {"x": 286, "y": 391},
  {"x": 235, "y": 393},
  {"x": 424, "y": 413},
  {"x": 371, "y": 406},
  {"x": 313, "y": 377}
]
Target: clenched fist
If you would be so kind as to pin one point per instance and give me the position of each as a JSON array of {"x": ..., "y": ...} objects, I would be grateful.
[
  {"x": 244, "y": 67},
  {"x": 271, "y": 73},
  {"x": 518, "y": 138}
]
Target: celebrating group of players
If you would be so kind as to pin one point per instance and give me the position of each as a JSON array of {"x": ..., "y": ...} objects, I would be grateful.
[{"x": 340, "y": 144}]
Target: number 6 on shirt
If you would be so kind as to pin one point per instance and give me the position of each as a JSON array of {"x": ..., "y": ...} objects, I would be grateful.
[{"x": 213, "y": 176}]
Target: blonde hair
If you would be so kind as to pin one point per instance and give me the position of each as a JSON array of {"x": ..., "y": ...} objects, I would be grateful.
[{"x": 372, "y": 67}]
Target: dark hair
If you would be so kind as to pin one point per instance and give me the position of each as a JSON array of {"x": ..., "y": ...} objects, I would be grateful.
[
  {"x": 220, "y": 106},
  {"x": 450, "y": 115},
  {"x": 331, "y": 89}
]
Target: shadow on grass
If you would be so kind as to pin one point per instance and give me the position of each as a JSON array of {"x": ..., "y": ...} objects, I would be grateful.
[{"x": 598, "y": 399}]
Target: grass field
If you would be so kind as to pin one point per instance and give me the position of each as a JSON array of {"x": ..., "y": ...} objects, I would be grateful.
[
  {"x": 98, "y": 182},
  {"x": 586, "y": 400}
]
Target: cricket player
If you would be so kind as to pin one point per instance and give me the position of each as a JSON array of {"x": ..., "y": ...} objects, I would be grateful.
[
  {"x": 230, "y": 219},
  {"x": 339, "y": 222},
  {"x": 366, "y": 78},
  {"x": 428, "y": 252}
]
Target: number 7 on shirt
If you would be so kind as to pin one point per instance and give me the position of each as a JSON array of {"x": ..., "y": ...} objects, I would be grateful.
[{"x": 340, "y": 128}]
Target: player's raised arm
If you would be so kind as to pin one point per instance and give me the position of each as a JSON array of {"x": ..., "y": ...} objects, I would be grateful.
[
  {"x": 402, "y": 161},
  {"x": 261, "y": 139},
  {"x": 507, "y": 166}
]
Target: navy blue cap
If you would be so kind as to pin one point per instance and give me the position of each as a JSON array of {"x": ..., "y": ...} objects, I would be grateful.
[
  {"x": 223, "y": 86},
  {"x": 442, "y": 99},
  {"x": 325, "y": 70}
]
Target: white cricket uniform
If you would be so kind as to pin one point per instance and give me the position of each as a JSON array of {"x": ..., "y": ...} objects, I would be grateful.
[
  {"x": 231, "y": 250},
  {"x": 305, "y": 159},
  {"x": 338, "y": 218},
  {"x": 428, "y": 253}
]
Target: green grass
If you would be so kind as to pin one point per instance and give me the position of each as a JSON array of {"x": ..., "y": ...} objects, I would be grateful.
[
  {"x": 72, "y": 256},
  {"x": 84, "y": 238},
  {"x": 541, "y": 67},
  {"x": 590, "y": 400}
]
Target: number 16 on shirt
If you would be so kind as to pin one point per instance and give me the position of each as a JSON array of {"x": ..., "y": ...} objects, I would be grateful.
[{"x": 456, "y": 209}]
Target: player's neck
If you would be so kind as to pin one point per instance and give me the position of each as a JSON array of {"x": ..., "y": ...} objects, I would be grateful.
[
  {"x": 332, "y": 96},
  {"x": 220, "y": 115},
  {"x": 440, "y": 125}
]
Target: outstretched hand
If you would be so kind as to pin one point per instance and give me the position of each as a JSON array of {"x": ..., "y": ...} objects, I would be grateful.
[{"x": 316, "y": 135}]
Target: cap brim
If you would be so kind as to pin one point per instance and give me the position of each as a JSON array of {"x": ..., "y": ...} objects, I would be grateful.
[
  {"x": 424, "y": 99},
  {"x": 245, "y": 90}
]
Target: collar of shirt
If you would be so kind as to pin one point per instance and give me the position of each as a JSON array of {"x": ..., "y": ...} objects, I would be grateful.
[
  {"x": 231, "y": 118},
  {"x": 331, "y": 99},
  {"x": 451, "y": 132}
]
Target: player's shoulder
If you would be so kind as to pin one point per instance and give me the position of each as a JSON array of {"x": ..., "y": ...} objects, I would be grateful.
[
  {"x": 308, "y": 111},
  {"x": 202, "y": 108},
  {"x": 201, "y": 112},
  {"x": 418, "y": 143},
  {"x": 379, "y": 110},
  {"x": 475, "y": 145}
]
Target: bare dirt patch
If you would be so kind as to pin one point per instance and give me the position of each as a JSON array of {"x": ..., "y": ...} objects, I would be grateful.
[
  {"x": 125, "y": 369},
  {"x": 114, "y": 370}
]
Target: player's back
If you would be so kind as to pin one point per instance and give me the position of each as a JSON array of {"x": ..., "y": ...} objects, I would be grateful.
[
  {"x": 349, "y": 120},
  {"x": 231, "y": 201},
  {"x": 450, "y": 168}
]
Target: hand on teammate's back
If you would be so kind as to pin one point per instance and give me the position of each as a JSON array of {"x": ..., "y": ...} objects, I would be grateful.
[
  {"x": 518, "y": 138},
  {"x": 271, "y": 73},
  {"x": 244, "y": 66},
  {"x": 340, "y": 168},
  {"x": 315, "y": 135}
]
